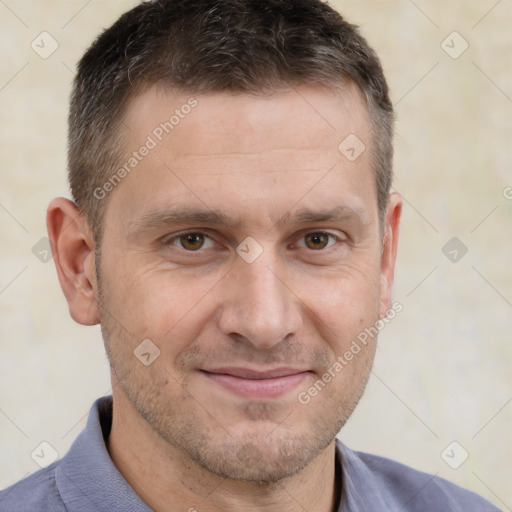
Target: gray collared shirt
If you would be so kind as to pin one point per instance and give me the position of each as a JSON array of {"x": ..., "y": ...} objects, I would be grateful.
[{"x": 86, "y": 480}]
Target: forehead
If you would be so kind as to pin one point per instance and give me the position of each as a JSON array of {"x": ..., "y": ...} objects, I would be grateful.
[
  {"x": 224, "y": 151},
  {"x": 324, "y": 114}
]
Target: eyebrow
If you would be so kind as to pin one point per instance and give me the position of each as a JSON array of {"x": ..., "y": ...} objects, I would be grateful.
[{"x": 183, "y": 215}]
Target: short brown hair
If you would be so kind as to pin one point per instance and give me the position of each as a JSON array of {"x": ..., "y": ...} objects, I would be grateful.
[{"x": 250, "y": 46}]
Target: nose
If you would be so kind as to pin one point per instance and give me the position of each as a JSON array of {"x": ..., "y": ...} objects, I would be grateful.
[{"x": 259, "y": 305}]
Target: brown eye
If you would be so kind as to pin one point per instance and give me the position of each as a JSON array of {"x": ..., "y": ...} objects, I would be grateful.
[
  {"x": 317, "y": 240},
  {"x": 191, "y": 241}
]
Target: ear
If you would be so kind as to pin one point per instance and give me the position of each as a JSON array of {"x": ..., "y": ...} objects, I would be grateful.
[
  {"x": 73, "y": 253},
  {"x": 389, "y": 250}
]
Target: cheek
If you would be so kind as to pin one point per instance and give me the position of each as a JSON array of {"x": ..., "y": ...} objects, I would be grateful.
[
  {"x": 164, "y": 305},
  {"x": 345, "y": 302}
]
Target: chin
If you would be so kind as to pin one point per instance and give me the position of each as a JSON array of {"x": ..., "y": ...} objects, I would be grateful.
[
  {"x": 259, "y": 455},
  {"x": 256, "y": 463}
]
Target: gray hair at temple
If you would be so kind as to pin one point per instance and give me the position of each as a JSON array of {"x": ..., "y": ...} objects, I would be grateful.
[{"x": 194, "y": 46}]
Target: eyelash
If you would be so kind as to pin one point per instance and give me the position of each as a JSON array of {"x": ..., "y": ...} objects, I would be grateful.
[{"x": 169, "y": 241}]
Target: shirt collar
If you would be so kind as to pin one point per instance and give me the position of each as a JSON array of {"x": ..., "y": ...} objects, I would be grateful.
[{"x": 87, "y": 479}]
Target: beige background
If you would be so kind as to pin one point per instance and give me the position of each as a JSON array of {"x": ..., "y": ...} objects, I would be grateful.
[{"x": 443, "y": 371}]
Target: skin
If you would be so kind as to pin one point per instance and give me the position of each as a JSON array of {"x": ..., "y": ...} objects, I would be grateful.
[{"x": 179, "y": 437}]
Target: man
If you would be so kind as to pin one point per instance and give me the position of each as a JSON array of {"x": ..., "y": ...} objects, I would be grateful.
[{"x": 233, "y": 232}]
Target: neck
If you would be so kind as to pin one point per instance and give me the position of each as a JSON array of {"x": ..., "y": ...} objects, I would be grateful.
[{"x": 166, "y": 479}]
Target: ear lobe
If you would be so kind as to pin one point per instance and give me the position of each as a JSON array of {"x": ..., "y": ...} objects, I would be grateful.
[
  {"x": 73, "y": 253},
  {"x": 389, "y": 250}
]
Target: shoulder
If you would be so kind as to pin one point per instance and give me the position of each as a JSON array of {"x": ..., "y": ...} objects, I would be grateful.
[
  {"x": 399, "y": 485},
  {"x": 36, "y": 493}
]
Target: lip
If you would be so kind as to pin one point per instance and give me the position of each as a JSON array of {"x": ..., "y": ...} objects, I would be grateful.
[{"x": 256, "y": 384}]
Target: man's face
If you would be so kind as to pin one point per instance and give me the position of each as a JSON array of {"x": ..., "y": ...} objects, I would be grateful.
[{"x": 243, "y": 325}]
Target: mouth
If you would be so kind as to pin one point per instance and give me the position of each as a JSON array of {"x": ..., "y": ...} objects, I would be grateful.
[{"x": 256, "y": 384}]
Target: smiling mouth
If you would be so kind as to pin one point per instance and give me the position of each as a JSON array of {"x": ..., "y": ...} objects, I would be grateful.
[{"x": 257, "y": 384}]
